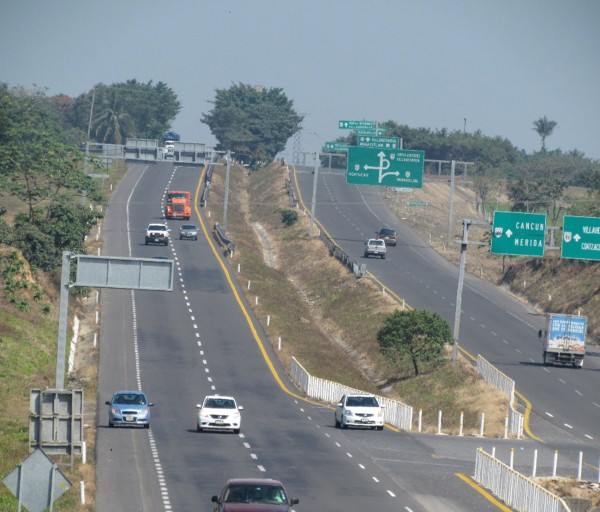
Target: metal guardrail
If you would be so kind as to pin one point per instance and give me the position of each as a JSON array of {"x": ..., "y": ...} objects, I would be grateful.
[
  {"x": 207, "y": 180},
  {"x": 395, "y": 413},
  {"x": 222, "y": 239},
  {"x": 505, "y": 385},
  {"x": 359, "y": 269},
  {"x": 291, "y": 192},
  {"x": 515, "y": 489}
]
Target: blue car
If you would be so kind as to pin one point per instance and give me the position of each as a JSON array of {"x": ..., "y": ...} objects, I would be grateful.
[{"x": 129, "y": 408}]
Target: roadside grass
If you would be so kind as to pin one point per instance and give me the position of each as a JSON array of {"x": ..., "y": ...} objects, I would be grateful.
[
  {"x": 28, "y": 343},
  {"x": 327, "y": 318}
]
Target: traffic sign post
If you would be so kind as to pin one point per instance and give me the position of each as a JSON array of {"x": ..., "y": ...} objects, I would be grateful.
[
  {"x": 374, "y": 141},
  {"x": 386, "y": 168},
  {"x": 518, "y": 234},
  {"x": 581, "y": 238}
]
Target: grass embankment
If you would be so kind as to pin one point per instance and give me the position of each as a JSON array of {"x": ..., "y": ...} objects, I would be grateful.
[
  {"x": 326, "y": 317},
  {"x": 29, "y": 305}
]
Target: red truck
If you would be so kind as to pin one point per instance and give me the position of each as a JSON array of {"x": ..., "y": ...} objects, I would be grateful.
[{"x": 179, "y": 205}]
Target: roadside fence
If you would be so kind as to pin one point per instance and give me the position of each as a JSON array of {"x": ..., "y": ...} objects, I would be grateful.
[
  {"x": 515, "y": 489},
  {"x": 505, "y": 385}
]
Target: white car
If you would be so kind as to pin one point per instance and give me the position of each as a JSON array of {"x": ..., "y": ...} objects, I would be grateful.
[
  {"x": 375, "y": 247},
  {"x": 359, "y": 411},
  {"x": 218, "y": 412},
  {"x": 157, "y": 234}
]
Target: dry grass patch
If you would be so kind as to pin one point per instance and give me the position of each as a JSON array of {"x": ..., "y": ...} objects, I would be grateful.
[{"x": 326, "y": 317}]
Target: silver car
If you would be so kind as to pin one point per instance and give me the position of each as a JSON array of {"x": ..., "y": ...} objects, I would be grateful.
[
  {"x": 129, "y": 408},
  {"x": 188, "y": 232}
]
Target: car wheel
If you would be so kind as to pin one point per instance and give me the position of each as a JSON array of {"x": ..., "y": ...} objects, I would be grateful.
[
  {"x": 180, "y": 237},
  {"x": 236, "y": 430},
  {"x": 380, "y": 427},
  {"x": 198, "y": 428},
  {"x": 110, "y": 424},
  {"x": 344, "y": 425},
  {"x": 383, "y": 256},
  {"x": 337, "y": 423},
  {"x": 366, "y": 255},
  {"x": 147, "y": 425}
]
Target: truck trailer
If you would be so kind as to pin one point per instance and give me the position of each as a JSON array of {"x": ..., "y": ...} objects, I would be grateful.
[{"x": 564, "y": 339}]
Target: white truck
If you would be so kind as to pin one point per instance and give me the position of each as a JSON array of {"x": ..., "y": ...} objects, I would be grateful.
[{"x": 564, "y": 339}]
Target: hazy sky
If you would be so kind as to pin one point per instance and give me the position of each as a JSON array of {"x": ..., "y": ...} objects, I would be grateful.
[{"x": 501, "y": 64}]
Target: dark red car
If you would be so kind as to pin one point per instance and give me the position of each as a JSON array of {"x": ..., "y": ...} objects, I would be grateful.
[
  {"x": 253, "y": 495},
  {"x": 389, "y": 236}
]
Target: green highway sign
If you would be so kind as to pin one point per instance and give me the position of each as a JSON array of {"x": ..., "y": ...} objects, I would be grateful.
[
  {"x": 374, "y": 141},
  {"x": 357, "y": 125},
  {"x": 381, "y": 130},
  {"x": 581, "y": 238},
  {"x": 518, "y": 234},
  {"x": 336, "y": 147},
  {"x": 385, "y": 167}
]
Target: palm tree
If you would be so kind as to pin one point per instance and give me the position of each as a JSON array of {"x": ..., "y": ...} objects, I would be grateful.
[
  {"x": 544, "y": 128},
  {"x": 111, "y": 124}
]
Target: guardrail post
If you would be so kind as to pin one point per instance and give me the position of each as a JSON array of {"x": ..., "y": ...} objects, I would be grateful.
[
  {"x": 482, "y": 424},
  {"x": 439, "y": 422},
  {"x": 534, "y": 470},
  {"x": 460, "y": 425},
  {"x": 555, "y": 463}
]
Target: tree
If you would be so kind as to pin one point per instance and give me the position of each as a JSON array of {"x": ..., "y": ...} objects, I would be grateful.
[
  {"x": 39, "y": 168},
  {"x": 544, "y": 128},
  {"x": 112, "y": 124},
  {"x": 253, "y": 122},
  {"x": 417, "y": 334}
]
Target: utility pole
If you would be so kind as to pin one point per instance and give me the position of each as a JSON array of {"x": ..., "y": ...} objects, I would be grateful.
[
  {"x": 314, "y": 195},
  {"x": 228, "y": 159},
  {"x": 461, "y": 278},
  {"x": 451, "y": 208}
]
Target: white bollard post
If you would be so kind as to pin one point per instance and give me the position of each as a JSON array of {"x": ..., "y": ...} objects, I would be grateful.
[
  {"x": 279, "y": 343},
  {"x": 555, "y": 463},
  {"x": 460, "y": 424},
  {"x": 506, "y": 428},
  {"x": 97, "y": 316},
  {"x": 512, "y": 457},
  {"x": 239, "y": 267},
  {"x": 534, "y": 471},
  {"x": 482, "y": 424},
  {"x": 83, "y": 452},
  {"x": 248, "y": 285},
  {"x": 421, "y": 423},
  {"x": 256, "y": 300},
  {"x": 580, "y": 466},
  {"x": 268, "y": 320},
  {"x": 95, "y": 339},
  {"x": 494, "y": 452},
  {"x": 82, "y": 492},
  {"x": 97, "y": 296},
  {"x": 439, "y": 422}
]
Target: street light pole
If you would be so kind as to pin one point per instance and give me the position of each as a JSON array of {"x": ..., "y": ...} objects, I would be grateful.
[{"x": 314, "y": 195}]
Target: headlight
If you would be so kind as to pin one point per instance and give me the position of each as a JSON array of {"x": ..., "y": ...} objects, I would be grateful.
[
  {"x": 144, "y": 411},
  {"x": 349, "y": 413},
  {"x": 114, "y": 410}
]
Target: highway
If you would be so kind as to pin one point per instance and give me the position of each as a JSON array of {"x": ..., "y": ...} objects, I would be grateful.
[
  {"x": 202, "y": 338},
  {"x": 565, "y": 410}
]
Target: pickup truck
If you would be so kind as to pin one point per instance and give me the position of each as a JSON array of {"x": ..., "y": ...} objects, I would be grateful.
[
  {"x": 375, "y": 247},
  {"x": 157, "y": 234}
]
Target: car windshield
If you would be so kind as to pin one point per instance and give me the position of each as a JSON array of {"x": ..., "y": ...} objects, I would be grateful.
[
  {"x": 188, "y": 226},
  {"x": 387, "y": 232},
  {"x": 129, "y": 399},
  {"x": 219, "y": 403},
  {"x": 361, "y": 401},
  {"x": 252, "y": 493},
  {"x": 157, "y": 227}
]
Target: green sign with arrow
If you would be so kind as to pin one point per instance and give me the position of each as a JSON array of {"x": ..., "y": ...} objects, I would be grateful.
[
  {"x": 518, "y": 234},
  {"x": 581, "y": 238},
  {"x": 385, "y": 167}
]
